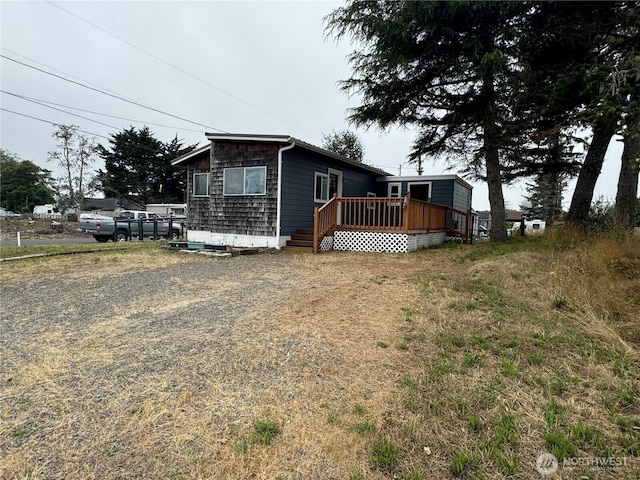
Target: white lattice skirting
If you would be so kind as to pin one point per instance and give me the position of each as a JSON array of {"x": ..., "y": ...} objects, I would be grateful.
[
  {"x": 385, "y": 241},
  {"x": 326, "y": 244}
]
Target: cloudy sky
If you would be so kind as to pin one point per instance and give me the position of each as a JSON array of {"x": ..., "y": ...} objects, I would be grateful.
[{"x": 242, "y": 67}]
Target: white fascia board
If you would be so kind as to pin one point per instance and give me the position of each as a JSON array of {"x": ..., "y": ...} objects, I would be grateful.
[
  {"x": 424, "y": 178},
  {"x": 249, "y": 138}
]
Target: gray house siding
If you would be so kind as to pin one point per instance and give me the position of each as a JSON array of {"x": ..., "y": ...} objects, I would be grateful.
[
  {"x": 298, "y": 176},
  {"x": 461, "y": 197},
  {"x": 199, "y": 211},
  {"x": 441, "y": 190}
]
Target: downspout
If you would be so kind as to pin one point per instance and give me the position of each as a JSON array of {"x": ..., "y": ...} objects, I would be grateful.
[{"x": 279, "y": 202}]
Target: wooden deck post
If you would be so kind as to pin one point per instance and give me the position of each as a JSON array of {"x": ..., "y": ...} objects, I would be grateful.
[
  {"x": 467, "y": 232},
  {"x": 405, "y": 214},
  {"x": 316, "y": 229}
]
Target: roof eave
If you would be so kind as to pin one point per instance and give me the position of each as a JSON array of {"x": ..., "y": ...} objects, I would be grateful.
[{"x": 193, "y": 153}]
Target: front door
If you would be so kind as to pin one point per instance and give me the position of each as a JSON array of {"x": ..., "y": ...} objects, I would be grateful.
[
  {"x": 335, "y": 188},
  {"x": 335, "y": 183}
]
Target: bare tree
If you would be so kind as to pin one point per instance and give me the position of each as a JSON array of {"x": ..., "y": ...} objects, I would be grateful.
[{"x": 75, "y": 154}]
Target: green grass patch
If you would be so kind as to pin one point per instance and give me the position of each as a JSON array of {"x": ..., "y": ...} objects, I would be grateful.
[
  {"x": 364, "y": 427},
  {"x": 559, "y": 444},
  {"x": 264, "y": 432},
  {"x": 464, "y": 463},
  {"x": 553, "y": 413},
  {"x": 384, "y": 456},
  {"x": 67, "y": 249}
]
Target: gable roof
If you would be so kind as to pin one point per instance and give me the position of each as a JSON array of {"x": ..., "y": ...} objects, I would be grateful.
[{"x": 284, "y": 139}]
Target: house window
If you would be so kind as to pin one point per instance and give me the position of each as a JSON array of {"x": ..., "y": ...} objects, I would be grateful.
[
  {"x": 201, "y": 184},
  {"x": 395, "y": 189},
  {"x": 420, "y": 191},
  {"x": 321, "y": 187},
  {"x": 371, "y": 205},
  {"x": 245, "y": 181}
]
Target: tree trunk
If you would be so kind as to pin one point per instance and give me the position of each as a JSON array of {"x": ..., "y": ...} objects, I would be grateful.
[
  {"x": 498, "y": 230},
  {"x": 590, "y": 171},
  {"x": 625, "y": 209}
]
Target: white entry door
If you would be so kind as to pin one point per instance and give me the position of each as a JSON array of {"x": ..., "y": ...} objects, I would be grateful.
[{"x": 335, "y": 188}]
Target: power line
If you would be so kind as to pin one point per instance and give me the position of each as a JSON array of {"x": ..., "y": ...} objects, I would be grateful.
[
  {"x": 57, "y": 109},
  {"x": 57, "y": 70},
  {"x": 24, "y": 97},
  {"x": 138, "y": 145},
  {"x": 110, "y": 94},
  {"x": 181, "y": 70},
  {"x": 49, "y": 122}
]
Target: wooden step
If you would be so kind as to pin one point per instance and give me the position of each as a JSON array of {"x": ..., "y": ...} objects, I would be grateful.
[
  {"x": 295, "y": 249},
  {"x": 299, "y": 243},
  {"x": 302, "y": 236},
  {"x": 304, "y": 231}
]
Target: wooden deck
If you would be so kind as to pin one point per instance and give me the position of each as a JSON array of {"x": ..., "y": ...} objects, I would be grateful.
[{"x": 387, "y": 214}]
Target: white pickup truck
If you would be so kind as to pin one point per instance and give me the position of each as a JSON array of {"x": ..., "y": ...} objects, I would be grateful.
[{"x": 128, "y": 225}]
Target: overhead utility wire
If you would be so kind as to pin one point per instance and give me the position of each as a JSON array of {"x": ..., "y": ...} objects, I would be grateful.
[
  {"x": 139, "y": 145},
  {"x": 49, "y": 122},
  {"x": 110, "y": 94},
  {"x": 176, "y": 67},
  {"x": 57, "y": 109},
  {"x": 57, "y": 70},
  {"x": 24, "y": 97}
]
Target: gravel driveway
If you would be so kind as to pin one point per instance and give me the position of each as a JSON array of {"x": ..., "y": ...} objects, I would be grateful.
[{"x": 162, "y": 372}]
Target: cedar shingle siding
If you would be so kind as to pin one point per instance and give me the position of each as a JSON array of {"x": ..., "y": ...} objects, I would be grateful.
[
  {"x": 237, "y": 214},
  {"x": 199, "y": 211}
]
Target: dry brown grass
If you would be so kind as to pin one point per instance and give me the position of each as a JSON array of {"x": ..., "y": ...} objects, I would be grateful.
[{"x": 416, "y": 345}]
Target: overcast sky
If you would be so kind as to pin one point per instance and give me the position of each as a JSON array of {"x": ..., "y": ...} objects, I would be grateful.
[{"x": 241, "y": 67}]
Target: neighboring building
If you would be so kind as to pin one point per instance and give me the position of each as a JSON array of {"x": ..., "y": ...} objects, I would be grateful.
[
  {"x": 168, "y": 209},
  {"x": 47, "y": 211},
  {"x": 484, "y": 221},
  {"x": 530, "y": 226},
  {"x": 111, "y": 207},
  {"x": 276, "y": 190}
]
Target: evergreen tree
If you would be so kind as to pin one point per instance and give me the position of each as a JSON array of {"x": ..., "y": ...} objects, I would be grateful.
[
  {"x": 138, "y": 164},
  {"x": 446, "y": 68},
  {"x": 23, "y": 184}
]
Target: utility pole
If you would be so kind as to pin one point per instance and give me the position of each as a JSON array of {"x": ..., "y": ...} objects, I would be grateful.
[
  {"x": 400, "y": 170},
  {"x": 419, "y": 165}
]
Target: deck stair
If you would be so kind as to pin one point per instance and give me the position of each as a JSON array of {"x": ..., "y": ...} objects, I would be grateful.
[{"x": 301, "y": 241}]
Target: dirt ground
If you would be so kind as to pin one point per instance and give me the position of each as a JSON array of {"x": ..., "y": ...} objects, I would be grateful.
[
  {"x": 446, "y": 363},
  {"x": 158, "y": 371},
  {"x": 37, "y": 228}
]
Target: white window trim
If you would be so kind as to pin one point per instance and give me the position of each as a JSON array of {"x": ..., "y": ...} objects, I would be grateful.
[
  {"x": 340, "y": 175},
  {"x": 372, "y": 205},
  {"x": 325, "y": 176},
  {"x": 394, "y": 184},
  {"x": 208, "y": 174},
  {"x": 391, "y": 185},
  {"x": 244, "y": 180},
  {"x": 421, "y": 183}
]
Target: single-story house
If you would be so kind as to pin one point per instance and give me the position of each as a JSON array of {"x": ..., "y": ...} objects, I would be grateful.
[{"x": 278, "y": 191}]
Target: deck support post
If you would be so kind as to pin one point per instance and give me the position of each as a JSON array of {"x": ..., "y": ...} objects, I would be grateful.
[
  {"x": 406, "y": 216},
  {"x": 316, "y": 233}
]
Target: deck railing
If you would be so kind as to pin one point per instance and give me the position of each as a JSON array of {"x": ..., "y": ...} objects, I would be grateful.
[
  {"x": 393, "y": 214},
  {"x": 324, "y": 219}
]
